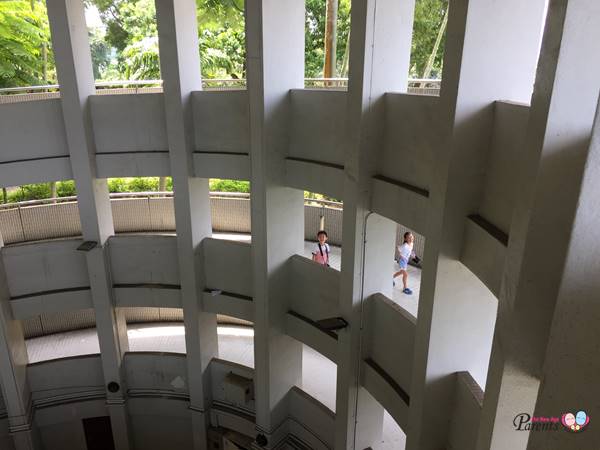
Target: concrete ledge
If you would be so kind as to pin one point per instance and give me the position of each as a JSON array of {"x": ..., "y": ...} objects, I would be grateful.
[
  {"x": 468, "y": 402},
  {"x": 227, "y": 266},
  {"x": 34, "y": 146},
  {"x": 314, "y": 290},
  {"x": 156, "y": 372},
  {"x": 51, "y": 302},
  {"x": 401, "y": 202},
  {"x": 147, "y": 296},
  {"x": 309, "y": 334},
  {"x": 42, "y": 267},
  {"x": 310, "y": 421},
  {"x": 133, "y": 164},
  {"x": 317, "y": 124},
  {"x": 315, "y": 176},
  {"x": 237, "y": 306},
  {"x": 385, "y": 393},
  {"x": 484, "y": 254},
  {"x": 227, "y": 165},
  {"x": 66, "y": 380},
  {"x": 129, "y": 123},
  {"x": 232, "y": 420},
  {"x": 16, "y": 173},
  {"x": 389, "y": 322},
  {"x": 221, "y": 121}
]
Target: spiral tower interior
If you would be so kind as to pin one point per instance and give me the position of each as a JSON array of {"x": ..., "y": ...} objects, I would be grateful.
[{"x": 498, "y": 176}]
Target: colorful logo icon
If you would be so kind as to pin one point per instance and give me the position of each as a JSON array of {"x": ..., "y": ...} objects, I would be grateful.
[{"x": 575, "y": 422}]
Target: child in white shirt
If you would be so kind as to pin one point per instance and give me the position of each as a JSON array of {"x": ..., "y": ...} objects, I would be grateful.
[
  {"x": 406, "y": 252},
  {"x": 320, "y": 253}
]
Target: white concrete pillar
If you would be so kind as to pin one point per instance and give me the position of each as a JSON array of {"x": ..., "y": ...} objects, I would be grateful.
[
  {"x": 559, "y": 130},
  {"x": 13, "y": 374},
  {"x": 275, "y": 61},
  {"x": 381, "y": 37},
  {"x": 75, "y": 75},
  {"x": 571, "y": 367},
  {"x": 180, "y": 69},
  {"x": 491, "y": 53}
]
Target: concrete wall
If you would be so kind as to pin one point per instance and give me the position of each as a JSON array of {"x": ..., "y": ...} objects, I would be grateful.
[
  {"x": 157, "y": 403},
  {"x": 411, "y": 138},
  {"x": 48, "y": 266},
  {"x": 129, "y": 123},
  {"x": 227, "y": 266},
  {"x": 34, "y": 146},
  {"x": 388, "y": 322},
  {"x": 505, "y": 163},
  {"x": 318, "y": 117},
  {"x": 314, "y": 289},
  {"x": 221, "y": 121},
  {"x": 468, "y": 401},
  {"x": 142, "y": 259},
  {"x": 312, "y": 421}
]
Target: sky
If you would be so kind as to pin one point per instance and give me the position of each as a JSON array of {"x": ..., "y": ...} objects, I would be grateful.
[{"x": 92, "y": 17}]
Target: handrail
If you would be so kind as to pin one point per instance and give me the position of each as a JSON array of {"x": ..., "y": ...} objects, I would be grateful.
[
  {"x": 148, "y": 194},
  {"x": 101, "y": 85}
]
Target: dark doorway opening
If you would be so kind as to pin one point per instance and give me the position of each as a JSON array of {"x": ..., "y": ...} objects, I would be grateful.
[{"x": 98, "y": 433}]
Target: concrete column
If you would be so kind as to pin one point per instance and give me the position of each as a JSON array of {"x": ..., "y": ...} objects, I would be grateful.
[
  {"x": 570, "y": 371},
  {"x": 558, "y": 136},
  {"x": 380, "y": 44},
  {"x": 76, "y": 79},
  {"x": 13, "y": 374},
  {"x": 275, "y": 61},
  {"x": 180, "y": 69},
  {"x": 491, "y": 53}
]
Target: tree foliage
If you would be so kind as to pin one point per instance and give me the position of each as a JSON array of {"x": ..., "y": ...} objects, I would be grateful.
[
  {"x": 126, "y": 45},
  {"x": 429, "y": 15},
  {"x": 130, "y": 28},
  {"x": 314, "y": 40},
  {"x": 24, "y": 33}
]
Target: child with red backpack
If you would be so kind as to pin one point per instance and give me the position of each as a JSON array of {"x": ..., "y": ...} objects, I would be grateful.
[{"x": 320, "y": 252}]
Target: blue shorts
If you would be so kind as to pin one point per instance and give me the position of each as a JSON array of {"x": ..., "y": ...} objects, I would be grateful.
[{"x": 402, "y": 263}]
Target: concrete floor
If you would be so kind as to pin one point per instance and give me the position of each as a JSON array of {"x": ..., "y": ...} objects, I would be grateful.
[{"x": 235, "y": 344}]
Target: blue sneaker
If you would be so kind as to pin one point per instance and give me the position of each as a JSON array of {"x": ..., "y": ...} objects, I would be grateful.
[{"x": 407, "y": 291}]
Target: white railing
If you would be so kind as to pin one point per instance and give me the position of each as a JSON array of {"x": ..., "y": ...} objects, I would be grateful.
[
  {"x": 28, "y": 93},
  {"x": 146, "y": 212},
  {"x": 153, "y": 211},
  {"x": 155, "y": 194}
]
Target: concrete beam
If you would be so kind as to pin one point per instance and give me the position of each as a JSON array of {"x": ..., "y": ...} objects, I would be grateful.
[
  {"x": 491, "y": 53},
  {"x": 13, "y": 374},
  {"x": 558, "y": 135},
  {"x": 380, "y": 45},
  {"x": 571, "y": 348},
  {"x": 180, "y": 69},
  {"x": 275, "y": 61},
  {"x": 75, "y": 75}
]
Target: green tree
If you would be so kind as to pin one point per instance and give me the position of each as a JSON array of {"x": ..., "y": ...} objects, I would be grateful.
[
  {"x": 25, "y": 51},
  {"x": 101, "y": 53},
  {"x": 131, "y": 31},
  {"x": 314, "y": 35},
  {"x": 429, "y": 15}
]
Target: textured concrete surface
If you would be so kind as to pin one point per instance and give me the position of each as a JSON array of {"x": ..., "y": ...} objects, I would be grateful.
[{"x": 235, "y": 344}]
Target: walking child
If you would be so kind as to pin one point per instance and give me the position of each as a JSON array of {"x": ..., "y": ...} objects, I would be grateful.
[{"x": 406, "y": 252}]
